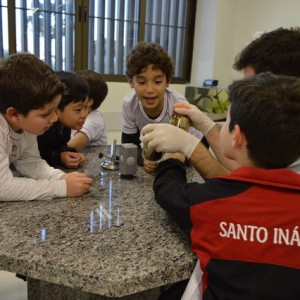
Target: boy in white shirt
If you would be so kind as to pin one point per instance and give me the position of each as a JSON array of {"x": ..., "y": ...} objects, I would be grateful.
[
  {"x": 149, "y": 70},
  {"x": 71, "y": 113},
  {"x": 29, "y": 95}
]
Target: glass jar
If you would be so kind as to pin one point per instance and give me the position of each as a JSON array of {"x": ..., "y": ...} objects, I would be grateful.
[
  {"x": 180, "y": 121},
  {"x": 150, "y": 155}
]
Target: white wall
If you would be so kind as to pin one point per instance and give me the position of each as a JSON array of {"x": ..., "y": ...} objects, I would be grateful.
[
  {"x": 214, "y": 41},
  {"x": 223, "y": 28},
  {"x": 111, "y": 109},
  {"x": 204, "y": 42},
  {"x": 263, "y": 15}
]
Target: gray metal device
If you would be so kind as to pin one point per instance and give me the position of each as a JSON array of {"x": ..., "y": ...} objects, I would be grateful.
[{"x": 128, "y": 160}]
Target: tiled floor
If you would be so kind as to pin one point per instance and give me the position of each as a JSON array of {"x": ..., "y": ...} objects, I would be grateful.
[{"x": 11, "y": 287}]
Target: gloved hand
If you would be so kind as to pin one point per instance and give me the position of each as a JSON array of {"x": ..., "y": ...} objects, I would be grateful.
[
  {"x": 199, "y": 119},
  {"x": 168, "y": 138}
]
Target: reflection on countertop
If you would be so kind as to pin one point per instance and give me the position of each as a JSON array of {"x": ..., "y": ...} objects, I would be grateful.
[{"x": 113, "y": 241}]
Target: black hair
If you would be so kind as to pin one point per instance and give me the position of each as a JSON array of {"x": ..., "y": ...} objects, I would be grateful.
[
  {"x": 98, "y": 88},
  {"x": 145, "y": 54},
  {"x": 267, "y": 109},
  {"x": 75, "y": 88},
  {"x": 277, "y": 51}
]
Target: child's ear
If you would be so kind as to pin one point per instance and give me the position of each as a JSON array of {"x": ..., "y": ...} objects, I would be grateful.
[
  {"x": 130, "y": 81},
  {"x": 12, "y": 114},
  {"x": 238, "y": 137}
]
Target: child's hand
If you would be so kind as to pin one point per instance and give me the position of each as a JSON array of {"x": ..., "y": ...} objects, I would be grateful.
[
  {"x": 71, "y": 160},
  {"x": 82, "y": 160},
  {"x": 149, "y": 167},
  {"x": 77, "y": 183}
]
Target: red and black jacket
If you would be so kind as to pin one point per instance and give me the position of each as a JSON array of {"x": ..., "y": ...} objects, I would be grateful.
[{"x": 244, "y": 228}]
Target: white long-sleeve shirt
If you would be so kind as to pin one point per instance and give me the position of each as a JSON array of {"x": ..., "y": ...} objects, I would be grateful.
[{"x": 40, "y": 181}]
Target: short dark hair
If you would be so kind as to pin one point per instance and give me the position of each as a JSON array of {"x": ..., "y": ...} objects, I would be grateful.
[
  {"x": 27, "y": 83},
  {"x": 145, "y": 54},
  {"x": 267, "y": 109},
  {"x": 76, "y": 88},
  {"x": 277, "y": 51},
  {"x": 98, "y": 88}
]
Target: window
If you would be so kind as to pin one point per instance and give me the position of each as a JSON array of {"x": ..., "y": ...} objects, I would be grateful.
[
  {"x": 97, "y": 34},
  {"x": 44, "y": 28}
]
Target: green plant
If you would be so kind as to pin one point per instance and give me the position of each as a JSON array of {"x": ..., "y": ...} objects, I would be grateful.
[{"x": 210, "y": 100}]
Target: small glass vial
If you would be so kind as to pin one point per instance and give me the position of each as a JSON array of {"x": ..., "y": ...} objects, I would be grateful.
[{"x": 180, "y": 121}]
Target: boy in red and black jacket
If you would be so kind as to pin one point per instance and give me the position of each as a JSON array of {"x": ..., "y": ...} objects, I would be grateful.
[{"x": 244, "y": 227}]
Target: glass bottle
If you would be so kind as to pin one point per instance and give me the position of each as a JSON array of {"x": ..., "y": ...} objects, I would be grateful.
[
  {"x": 151, "y": 155},
  {"x": 180, "y": 121},
  {"x": 177, "y": 120}
]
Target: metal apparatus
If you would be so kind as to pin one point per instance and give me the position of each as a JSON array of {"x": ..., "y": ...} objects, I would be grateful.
[{"x": 111, "y": 163}]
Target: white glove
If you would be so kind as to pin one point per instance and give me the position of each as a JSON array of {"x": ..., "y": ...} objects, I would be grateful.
[
  {"x": 199, "y": 119},
  {"x": 168, "y": 138}
]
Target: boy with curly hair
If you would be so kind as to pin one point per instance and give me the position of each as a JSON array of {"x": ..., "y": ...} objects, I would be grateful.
[{"x": 149, "y": 72}]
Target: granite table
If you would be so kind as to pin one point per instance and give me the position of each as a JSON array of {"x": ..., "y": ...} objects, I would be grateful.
[{"x": 113, "y": 243}]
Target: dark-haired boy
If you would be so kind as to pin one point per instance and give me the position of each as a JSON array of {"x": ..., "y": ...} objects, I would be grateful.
[
  {"x": 244, "y": 227},
  {"x": 71, "y": 112},
  {"x": 93, "y": 131}
]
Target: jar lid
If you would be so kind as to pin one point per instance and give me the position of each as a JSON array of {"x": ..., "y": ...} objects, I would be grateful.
[{"x": 180, "y": 106}]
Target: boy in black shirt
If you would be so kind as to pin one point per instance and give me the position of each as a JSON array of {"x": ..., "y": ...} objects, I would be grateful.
[{"x": 71, "y": 112}]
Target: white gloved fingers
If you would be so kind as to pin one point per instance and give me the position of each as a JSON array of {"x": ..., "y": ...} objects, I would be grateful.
[
  {"x": 199, "y": 119},
  {"x": 174, "y": 139},
  {"x": 194, "y": 114},
  {"x": 161, "y": 137},
  {"x": 168, "y": 138},
  {"x": 148, "y": 131},
  {"x": 146, "y": 138},
  {"x": 156, "y": 144},
  {"x": 148, "y": 128}
]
